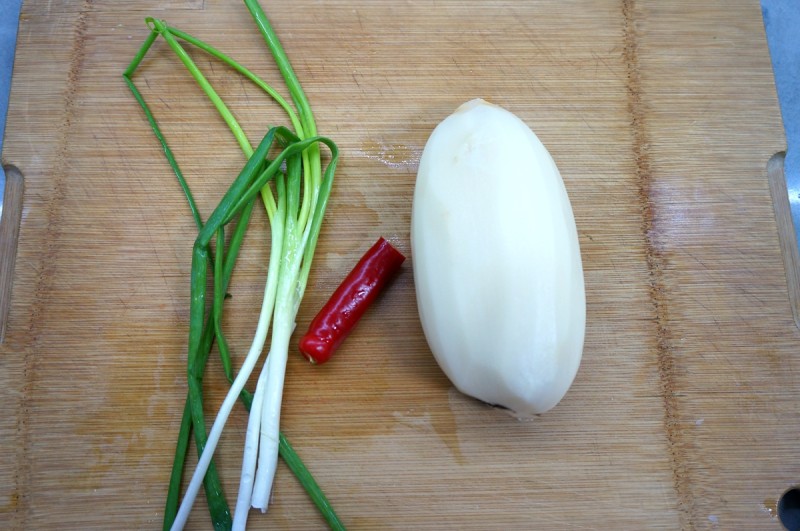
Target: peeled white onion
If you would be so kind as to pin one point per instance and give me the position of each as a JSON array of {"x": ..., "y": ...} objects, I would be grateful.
[{"x": 496, "y": 259}]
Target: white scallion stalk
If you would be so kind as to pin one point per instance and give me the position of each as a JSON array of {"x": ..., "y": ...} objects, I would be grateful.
[
  {"x": 250, "y": 454},
  {"x": 270, "y": 423},
  {"x": 285, "y": 313}
]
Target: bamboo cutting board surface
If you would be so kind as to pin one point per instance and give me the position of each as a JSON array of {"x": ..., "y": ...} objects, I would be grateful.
[{"x": 661, "y": 117}]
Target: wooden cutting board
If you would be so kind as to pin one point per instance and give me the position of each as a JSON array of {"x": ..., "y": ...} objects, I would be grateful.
[{"x": 661, "y": 117}]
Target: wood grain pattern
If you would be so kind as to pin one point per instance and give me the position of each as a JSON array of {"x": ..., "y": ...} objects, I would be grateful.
[{"x": 661, "y": 117}]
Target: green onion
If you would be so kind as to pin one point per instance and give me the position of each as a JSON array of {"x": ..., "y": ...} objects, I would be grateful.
[
  {"x": 296, "y": 220},
  {"x": 294, "y": 463},
  {"x": 285, "y": 302}
]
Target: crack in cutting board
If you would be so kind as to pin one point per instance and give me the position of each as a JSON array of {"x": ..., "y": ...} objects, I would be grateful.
[
  {"x": 59, "y": 173},
  {"x": 655, "y": 265}
]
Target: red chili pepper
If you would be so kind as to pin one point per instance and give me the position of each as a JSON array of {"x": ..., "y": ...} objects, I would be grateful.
[{"x": 339, "y": 316}]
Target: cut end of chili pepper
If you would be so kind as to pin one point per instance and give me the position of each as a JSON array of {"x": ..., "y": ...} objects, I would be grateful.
[{"x": 315, "y": 349}]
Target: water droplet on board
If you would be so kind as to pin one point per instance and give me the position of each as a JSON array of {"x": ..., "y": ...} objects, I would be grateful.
[
  {"x": 395, "y": 156},
  {"x": 770, "y": 506}
]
